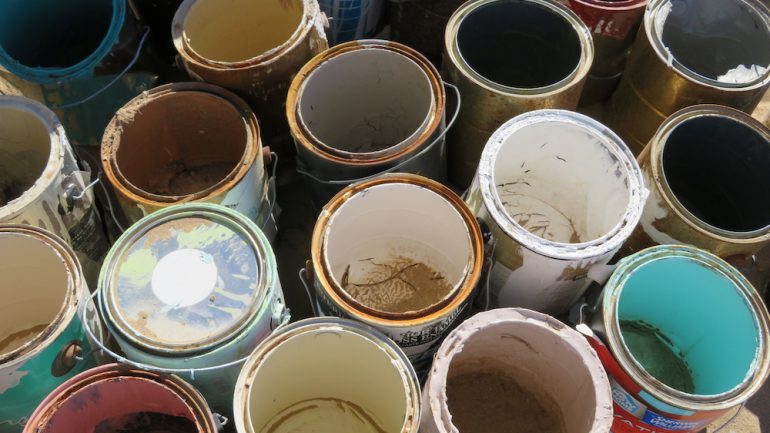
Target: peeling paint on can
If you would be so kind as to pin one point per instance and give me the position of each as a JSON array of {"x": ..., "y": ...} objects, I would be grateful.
[
  {"x": 684, "y": 339},
  {"x": 560, "y": 194},
  {"x": 115, "y": 398},
  {"x": 415, "y": 242},
  {"x": 41, "y": 183},
  {"x": 211, "y": 152},
  {"x": 192, "y": 289},
  {"x": 516, "y": 366},
  {"x": 327, "y": 375},
  {"x": 42, "y": 341}
]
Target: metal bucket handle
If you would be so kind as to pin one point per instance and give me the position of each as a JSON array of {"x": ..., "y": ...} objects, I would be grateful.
[
  {"x": 280, "y": 315},
  {"x": 303, "y": 171},
  {"x": 303, "y": 277}
]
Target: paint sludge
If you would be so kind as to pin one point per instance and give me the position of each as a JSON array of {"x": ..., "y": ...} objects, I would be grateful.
[
  {"x": 146, "y": 422},
  {"x": 179, "y": 179},
  {"x": 493, "y": 401},
  {"x": 657, "y": 354},
  {"x": 323, "y": 415}
]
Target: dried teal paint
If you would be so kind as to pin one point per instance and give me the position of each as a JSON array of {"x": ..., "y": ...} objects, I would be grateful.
[{"x": 704, "y": 315}]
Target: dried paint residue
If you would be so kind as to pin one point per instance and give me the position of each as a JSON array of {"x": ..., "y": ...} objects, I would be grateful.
[
  {"x": 323, "y": 415},
  {"x": 19, "y": 338},
  {"x": 146, "y": 422}
]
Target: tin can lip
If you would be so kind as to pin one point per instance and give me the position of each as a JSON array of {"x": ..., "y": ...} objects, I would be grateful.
[
  {"x": 656, "y": 148},
  {"x": 57, "y": 142},
  {"x": 613, "y": 6},
  {"x": 242, "y": 396},
  {"x": 115, "y": 372},
  {"x": 111, "y": 140},
  {"x": 576, "y": 77},
  {"x": 324, "y": 276},
  {"x": 307, "y": 141},
  {"x": 614, "y": 238},
  {"x": 311, "y": 12},
  {"x": 609, "y": 302},
  {"x": 664, "y": 55},
  {"x": 75, "y": 290},
  {"x": 251, "y": 236}
]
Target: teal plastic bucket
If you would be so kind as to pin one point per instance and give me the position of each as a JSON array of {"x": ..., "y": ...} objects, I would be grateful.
[{"x": 47, "y": 41}]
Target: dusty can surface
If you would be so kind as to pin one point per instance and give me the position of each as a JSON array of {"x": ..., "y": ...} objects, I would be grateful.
[
  {"x": 560, "y": 193},
  {"x": 516, "y": 367},
  {"x": 683, "y": 337},
  {"x": 691, "y": 52},
  {"x": 252, "y": 48},
  {"x": 211, "y": 152},
  {"x": 364, "y": 108},
  {"x": 420, "y": 24},
  {"x": 41, "y": 183},
  {"x": 192, "y": 289},
  {"x": 42, "y": 341},
  {"x": 501, "y": 73},
  {"x": 400, "y": 253},
  {"x": 327, "y": 375},
  {"x": 115, "y": 398}
]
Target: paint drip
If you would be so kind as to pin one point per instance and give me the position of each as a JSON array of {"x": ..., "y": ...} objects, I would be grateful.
[
  {"x": 323, "y": 415},
  {"x": 146, "y": 422},
  {"x": 657, "y": 355}
]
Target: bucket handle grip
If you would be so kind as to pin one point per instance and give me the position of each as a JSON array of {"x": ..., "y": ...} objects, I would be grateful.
[
  {"x": 302, "y": 169},
  {"x": 120, "y": 359},
  {"x": 116, "y": 78}
]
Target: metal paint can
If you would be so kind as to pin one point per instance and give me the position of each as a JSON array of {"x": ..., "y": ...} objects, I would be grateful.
[
  {"x": 81, "y": 58},
  {"x": 501, "y": 74},
  {"x": 684, "y": 339},
  {"x": 560, "y": 194},
  {"x": 516, "y": 367},
  {"x": 400, "y": 253},
  {"x": 420, "y": 24},
  {"x": 352, "y": 19},
  {"x": 252, "y": 48},
  {"x": 115, "y": 398},
  {"x": 192, "y": 289},
  {"x": 211, "y": 152},
  {"x": 42, "y": 342},
  {"x": 327, "y": 375},
  {"x": 706, "y": 168},
  {"x": 691, "y": 52},
  {"x": 613, "y": 25},
  {"x": 363, "y": 108},
  {"x": 41, "y": 183}
]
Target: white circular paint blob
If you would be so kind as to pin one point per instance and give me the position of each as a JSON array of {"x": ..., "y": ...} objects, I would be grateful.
[{"x": 184, "y": 277}]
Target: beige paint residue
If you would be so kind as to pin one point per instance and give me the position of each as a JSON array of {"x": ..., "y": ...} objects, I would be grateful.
[{"x": 323, "y": 415}]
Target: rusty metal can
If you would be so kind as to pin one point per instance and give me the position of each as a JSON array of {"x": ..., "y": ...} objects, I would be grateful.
[
  {"x": 117, "y": 398},
  {"x": 560, "y": 193},
  {"x": 503, "y": 73},
  {"x": 401, "y": 253},
  {"x": 420, "y": 24},
  {"x": 252, "y": 48},
  {"x": 41, "y": 183},
  {"x": 42, "y": 340},
  {"x": 691, "y": 52},
  {"x": 363, "y": 108},
  {"x": 706, "y": 168},
  {"x": 211, "y": 152}
]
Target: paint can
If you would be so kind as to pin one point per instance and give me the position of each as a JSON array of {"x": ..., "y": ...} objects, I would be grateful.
[
  {"x": 691, "y": 52},
  {"x": 42, "y": 342},
  {"x": 327, "y": 375},
  {"x": 501, "y": 73},
  {"x": 560, "y": 193},
  {"x": 352, "y": 19},
  {"x": 115, "y": 398},
  {"x": 41, "y": 183},
  {"x": 252, "y": 48},
  {"x": 512, "y": 366},
  {"x": 191, "y": 290},
  {"x": 82, "y": 58},
  {"x": 613, "y": 25},
  {"x": 377, "y": 242},
  {"x": 684, "y": 339},
  {"x": 706, "y": 168},
  {"x": 364, "y": 108},
  {"x": 420, "y": 24},
  {"x": 211, "y": 152}
]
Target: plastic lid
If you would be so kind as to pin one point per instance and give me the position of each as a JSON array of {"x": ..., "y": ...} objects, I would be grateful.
[{"x": 185, "y": 284}]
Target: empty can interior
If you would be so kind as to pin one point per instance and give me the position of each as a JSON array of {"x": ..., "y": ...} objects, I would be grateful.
[{"x": 25, "y": 150}]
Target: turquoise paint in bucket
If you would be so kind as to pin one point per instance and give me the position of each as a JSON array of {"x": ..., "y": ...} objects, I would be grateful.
[{"x": 702, "y": 323}]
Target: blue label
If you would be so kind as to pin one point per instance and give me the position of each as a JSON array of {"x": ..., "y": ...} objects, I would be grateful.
[
  {"x": 660, "y": 421},
  {"x": 623, "y": 399}
]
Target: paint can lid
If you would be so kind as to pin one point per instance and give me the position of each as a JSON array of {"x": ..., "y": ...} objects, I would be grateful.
[{"x": 185, "y": 282}]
